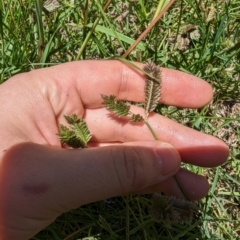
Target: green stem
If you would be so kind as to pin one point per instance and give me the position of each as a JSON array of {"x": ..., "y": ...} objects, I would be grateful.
[
  {"x": 160, "y": 7},
  {"x": 38, "y": 9},
  {"x": 91, "y": 31},
  {"x": 2, "y": 40},
  {"x": 151, "y": 130},
  {"x": 142, "y": 221},
  {"x": 127, "y": 218},
  {"x": 175, "y": 176},
  {"x": 85, "y": 14}
]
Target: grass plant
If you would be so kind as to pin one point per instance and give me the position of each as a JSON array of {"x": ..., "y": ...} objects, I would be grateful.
[{"x": 201, "y": 37}]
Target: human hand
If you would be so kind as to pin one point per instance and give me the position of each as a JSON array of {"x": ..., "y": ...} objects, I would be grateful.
[{"x": 39, "y": 179}]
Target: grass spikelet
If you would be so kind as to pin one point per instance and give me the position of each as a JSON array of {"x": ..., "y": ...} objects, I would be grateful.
[
  {"x": 118, "y": 107},
  {"x": 136, "y": 118},
  {"x": 78, "y": 136},
  {"x": 170, "y": 210},
  {"x": 82, "y": 133},
  {"x": 152, "y": 87},
  {"x": 68, "y": 137}
]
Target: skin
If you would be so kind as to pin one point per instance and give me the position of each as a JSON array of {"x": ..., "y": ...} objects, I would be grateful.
[{"x": 39, "y": 180}]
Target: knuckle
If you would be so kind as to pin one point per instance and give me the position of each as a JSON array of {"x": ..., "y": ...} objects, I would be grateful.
[{"x": 129, "y": 168}]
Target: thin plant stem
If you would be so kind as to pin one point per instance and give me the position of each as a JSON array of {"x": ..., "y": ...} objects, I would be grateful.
[
  {"x": 127, "y": 218},
  {"x": 85, "y": 14},
  {"x": 151, "y": 130},
  {"x": 133, "y": 65},
  {"x": 175, "y": 177},
  {"x": 2, "y": 38},
  {"x": 150, "y": 26},
  {"x": 161, "y": 5},
  {"x": 91, "y": 31},
  {"x": 108, "y": 22},
  {"x": 141, "y": 218},
  {"x": 38, "y": 9}
]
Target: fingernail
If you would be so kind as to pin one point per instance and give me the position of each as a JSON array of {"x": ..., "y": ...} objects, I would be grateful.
[{"x": 169, "y": 159}]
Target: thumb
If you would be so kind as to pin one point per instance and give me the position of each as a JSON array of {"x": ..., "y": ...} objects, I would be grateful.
[
  {"x": 81, "y": 176},
  {"x": 38, "y": 182}
]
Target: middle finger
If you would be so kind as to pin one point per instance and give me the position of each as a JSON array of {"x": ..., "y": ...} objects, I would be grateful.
[{"x": 194, "y": 147}]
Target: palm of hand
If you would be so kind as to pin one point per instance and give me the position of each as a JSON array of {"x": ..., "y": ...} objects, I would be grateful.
[{"x": 35, "y": 106}]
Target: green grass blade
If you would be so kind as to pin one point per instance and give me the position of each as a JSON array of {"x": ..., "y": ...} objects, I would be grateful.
[{"x": 120, "y": 36}]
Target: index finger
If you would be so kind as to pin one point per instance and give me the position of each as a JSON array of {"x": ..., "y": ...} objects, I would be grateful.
[{"x": 111, "y": 77}]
